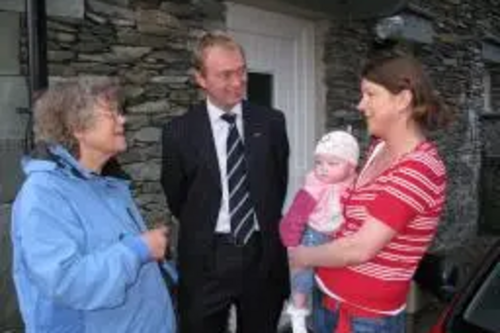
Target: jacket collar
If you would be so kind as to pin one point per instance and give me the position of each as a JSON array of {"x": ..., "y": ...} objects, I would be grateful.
[
  {"x": 65, "y": 160},
  {"x": 51, "y": 157}
]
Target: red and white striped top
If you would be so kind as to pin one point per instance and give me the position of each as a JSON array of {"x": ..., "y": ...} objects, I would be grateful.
[{"x": 409, "y": 197}]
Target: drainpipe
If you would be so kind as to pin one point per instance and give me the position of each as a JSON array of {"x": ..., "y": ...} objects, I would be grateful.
[{"x": 36, "y": 20}]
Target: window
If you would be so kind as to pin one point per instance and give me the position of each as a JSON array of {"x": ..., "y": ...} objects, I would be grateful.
[
  {"x": 487, "y": 90},
  {"x": 489, "y": 193},
  {"x": 491, "y": 88},
  {"x": 260, "y": 88}
]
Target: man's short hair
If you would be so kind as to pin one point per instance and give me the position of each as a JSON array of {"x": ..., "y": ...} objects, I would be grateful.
[{"x": 212, "y": 39}]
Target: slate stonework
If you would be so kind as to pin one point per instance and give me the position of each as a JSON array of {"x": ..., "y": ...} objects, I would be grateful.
[
  {"x": 454, "y": 62},
  {"x": 146, "y": 45}
]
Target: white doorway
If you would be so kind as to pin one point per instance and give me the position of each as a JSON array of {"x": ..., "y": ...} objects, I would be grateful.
[{"x": 280, "y": 52}]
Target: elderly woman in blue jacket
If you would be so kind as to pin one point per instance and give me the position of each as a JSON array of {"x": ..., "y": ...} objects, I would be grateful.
[{"x": 84, "y": 260}]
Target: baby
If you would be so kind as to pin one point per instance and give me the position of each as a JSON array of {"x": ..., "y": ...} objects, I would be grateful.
[{"x": 316, "y": 212}]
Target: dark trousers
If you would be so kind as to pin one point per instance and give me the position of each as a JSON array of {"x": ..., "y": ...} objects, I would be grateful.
[{"x": 234, "y": 278}]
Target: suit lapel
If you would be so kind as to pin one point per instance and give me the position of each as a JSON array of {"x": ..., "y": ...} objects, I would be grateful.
[
  {"x": 205, "y": 143},
  {"x": 253, "y": 134}
]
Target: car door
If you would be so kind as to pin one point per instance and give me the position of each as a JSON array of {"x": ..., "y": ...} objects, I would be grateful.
[{"x": 476, "y": 308}]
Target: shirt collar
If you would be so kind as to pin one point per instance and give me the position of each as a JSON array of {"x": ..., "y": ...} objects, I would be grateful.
[{"x": 215, "y": 113}]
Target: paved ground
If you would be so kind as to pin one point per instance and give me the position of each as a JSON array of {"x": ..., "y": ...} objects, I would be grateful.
[
  {"x": 425, "y": 319},
  {"x": 419, "y": 323}
]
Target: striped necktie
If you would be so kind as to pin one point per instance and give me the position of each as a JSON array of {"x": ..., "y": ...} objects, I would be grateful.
[{"x": 241, "y": 210}]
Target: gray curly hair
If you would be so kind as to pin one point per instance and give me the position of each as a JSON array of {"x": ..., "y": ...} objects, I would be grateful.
[{"x": 69, "y": 106}]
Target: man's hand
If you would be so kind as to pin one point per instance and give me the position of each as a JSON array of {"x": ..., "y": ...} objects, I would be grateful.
[{"x": 157, "y": 240}]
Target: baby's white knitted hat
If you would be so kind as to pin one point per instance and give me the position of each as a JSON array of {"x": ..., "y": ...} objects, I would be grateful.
[{"x": 340, "y": 144}]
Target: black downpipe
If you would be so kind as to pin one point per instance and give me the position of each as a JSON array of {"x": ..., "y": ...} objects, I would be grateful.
[{"x": 36, "y": 21}]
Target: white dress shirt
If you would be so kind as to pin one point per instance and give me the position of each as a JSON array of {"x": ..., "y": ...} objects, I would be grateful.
[{"x": 220, "y": 130}]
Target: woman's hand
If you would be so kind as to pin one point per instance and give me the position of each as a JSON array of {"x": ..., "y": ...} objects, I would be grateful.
[
  {"x": 157, "y": 240},
  {"x": 354, "y": 249},
  {"x": 298, "y": 257}
]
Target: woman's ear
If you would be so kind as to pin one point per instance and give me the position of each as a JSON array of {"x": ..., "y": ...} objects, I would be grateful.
[
  {"x": 405, "y": 99},
  {"x": 78, "y": 134}
]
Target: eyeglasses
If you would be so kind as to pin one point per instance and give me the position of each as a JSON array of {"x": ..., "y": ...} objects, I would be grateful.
[{"x": 112, "y": 112}]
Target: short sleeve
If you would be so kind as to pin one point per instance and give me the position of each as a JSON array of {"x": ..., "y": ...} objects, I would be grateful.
[{"x": 414, "y": 188}]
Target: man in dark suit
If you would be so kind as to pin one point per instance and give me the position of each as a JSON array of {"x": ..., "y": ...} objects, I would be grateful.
[{"x": 225, "y": 174}]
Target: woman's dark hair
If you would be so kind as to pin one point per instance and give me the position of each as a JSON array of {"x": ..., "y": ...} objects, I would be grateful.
[{"x": 397, "y": 71}]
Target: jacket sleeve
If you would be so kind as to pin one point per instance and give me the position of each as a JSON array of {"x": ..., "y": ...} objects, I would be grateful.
[
  {"x": 50, "y": 239},
  {"x": 282, "y": 153},
  {"x": 292, "y": 226},
  {"x": 173, "y": 178}
]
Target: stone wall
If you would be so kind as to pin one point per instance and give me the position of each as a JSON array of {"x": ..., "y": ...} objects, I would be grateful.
[
  {"x": 13, "y": 96},
  {"x": 346, "y": 47},
  {"x": 146, "y": 45},
  {"x": 457, "y": 66},
  {"x": 449, "y": 43}
]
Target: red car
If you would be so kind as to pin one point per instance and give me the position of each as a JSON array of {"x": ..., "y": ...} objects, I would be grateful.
[{"x": 476, "y": 307}]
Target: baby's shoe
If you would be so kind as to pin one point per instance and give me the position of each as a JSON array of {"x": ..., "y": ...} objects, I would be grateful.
[{"x": 298, "y": 317}]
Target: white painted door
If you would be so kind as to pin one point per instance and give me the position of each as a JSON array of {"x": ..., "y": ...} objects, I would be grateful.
[{"x": 283, "y": 47}]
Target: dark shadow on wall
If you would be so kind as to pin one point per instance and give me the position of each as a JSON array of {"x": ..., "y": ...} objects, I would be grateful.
[
  {"x": 10, "y": 180},
  {"x": 10, "y": 319}
]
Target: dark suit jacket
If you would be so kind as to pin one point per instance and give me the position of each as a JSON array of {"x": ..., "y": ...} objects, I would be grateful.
[{"x": 191, "y": 181}]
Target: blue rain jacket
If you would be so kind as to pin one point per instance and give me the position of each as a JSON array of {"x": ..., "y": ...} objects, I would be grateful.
[{"x": 79, "y": 262}]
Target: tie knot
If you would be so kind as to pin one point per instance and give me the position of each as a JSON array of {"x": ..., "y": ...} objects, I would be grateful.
[{"x": 230, "y": 118}]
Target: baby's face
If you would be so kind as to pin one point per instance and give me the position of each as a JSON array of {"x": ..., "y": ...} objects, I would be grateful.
[{"x": 331, "y": 169}]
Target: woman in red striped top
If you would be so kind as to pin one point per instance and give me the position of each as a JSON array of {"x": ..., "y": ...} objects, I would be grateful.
[{"x": 391, "y": 212}]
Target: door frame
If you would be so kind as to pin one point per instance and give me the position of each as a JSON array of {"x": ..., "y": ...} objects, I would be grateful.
[{"x": 309, "y": 93}]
